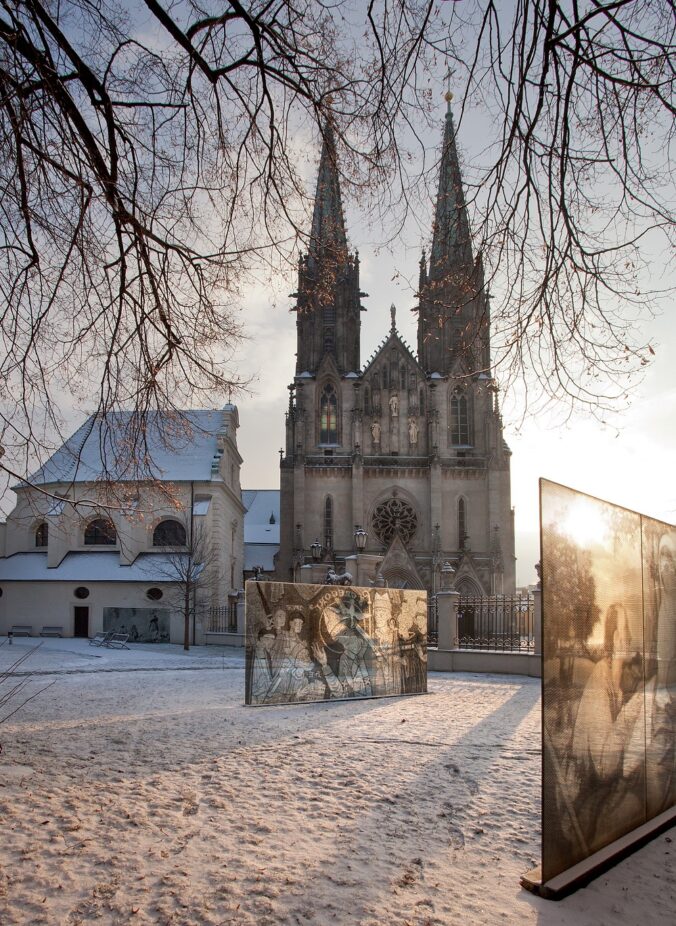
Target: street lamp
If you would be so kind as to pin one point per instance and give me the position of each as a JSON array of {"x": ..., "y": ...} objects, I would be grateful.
[
  {"x": 316, "y": 550},
  {"x": 360, "y": 538}
]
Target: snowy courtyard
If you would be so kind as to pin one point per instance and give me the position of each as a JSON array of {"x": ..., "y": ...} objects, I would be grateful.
[{"x": 139, "y": 789}]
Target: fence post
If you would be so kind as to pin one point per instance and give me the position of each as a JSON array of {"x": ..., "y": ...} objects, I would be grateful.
[
  {"x": 447, "y": 619},
  {"x": 537, "y": 621}
]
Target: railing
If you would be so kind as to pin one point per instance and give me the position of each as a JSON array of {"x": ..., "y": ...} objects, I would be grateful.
[
  {"x": 432, "y": 621},
  {"x": 223, "y": 620},
  {"x": 500, "y": 623}
]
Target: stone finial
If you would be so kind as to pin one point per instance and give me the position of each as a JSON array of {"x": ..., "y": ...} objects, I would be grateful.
[{"x": 393, "y": 316}]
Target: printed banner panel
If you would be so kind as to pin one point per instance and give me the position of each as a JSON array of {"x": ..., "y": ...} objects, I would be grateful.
[
  {"x": 608, "y": 657},
  {"x": 144, "y": 625},
  {"x": 659, "y": 598},
  {"x": 321, "y": 642}
]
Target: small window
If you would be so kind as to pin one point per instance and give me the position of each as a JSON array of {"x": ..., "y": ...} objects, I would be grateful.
[
  {"x": 169, "y": 534},
  {"x": 328, "y": 523},
  {"x": 100, "y": 532},
  {"x": 81, "y": 592},
  {"x": 462, "y": 524},
  {"x": 42, "y": 534},
  {"x": 154, "y": 594}
]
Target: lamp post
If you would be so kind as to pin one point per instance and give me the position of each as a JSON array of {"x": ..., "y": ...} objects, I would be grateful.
[
  {"x": 316, "y": 550},
  {"x": 360, "y": 538}
]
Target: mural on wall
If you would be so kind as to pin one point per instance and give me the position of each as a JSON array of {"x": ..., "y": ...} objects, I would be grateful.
[
  {"x": 609, "y": 673},
  {"x": 144, "y": 625},
  {"x": 320, "y": 642}
]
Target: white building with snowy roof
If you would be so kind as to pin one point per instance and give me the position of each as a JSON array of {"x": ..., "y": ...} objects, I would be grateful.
[
  {"x": 105, "y": 537},
  {"x": 261, "y": 531}
]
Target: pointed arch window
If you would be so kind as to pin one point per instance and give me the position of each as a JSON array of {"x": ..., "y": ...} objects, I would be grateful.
[
  {"x": 42, "y": 534},
  {"x": 422, "y": 400},
  {"x": 460, "y": 429},
  {"x": 462, "y": 524},
  {"x": 328, "y": 426},
  {"x": 328, "y": 523}
]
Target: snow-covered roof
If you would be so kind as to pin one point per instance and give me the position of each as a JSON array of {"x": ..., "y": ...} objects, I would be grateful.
[
  {"x": 260, "y": 554},
  {"x": 182, "y": 449},
  {"x": 201, "y": 507},
  {"x": 84, "y": 566},
  {"x": 261, "y": 505}
]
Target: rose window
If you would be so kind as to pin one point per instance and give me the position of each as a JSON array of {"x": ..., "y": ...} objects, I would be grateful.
[{"x": 394, "y": 516}]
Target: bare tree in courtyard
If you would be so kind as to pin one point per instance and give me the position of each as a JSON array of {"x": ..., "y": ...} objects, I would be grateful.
[
  {"x": 151, "y": 155},
  {"x": 192, "y": 574}
]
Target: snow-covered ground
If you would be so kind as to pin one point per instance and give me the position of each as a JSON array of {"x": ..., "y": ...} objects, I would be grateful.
[{"x": 139, "y": 789}]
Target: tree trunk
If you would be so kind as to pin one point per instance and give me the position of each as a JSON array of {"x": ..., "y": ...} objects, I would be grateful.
[{"x": 186, "y": 617}]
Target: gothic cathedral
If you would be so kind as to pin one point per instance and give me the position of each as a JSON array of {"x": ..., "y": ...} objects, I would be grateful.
[{"x": 408, "y": 447}]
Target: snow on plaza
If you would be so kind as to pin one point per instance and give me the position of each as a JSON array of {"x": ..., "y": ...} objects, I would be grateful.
[{"x": 139, "y": 789}]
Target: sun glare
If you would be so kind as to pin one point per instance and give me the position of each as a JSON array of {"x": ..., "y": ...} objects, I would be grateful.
[{"x": 586, "y": 523}]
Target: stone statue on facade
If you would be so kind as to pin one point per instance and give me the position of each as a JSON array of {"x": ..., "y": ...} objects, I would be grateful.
[
  {"x": 332, "y": 578},
  {"x": 394, "y": 405},
  {"x": 375, "y": 432},
  {"x": 413, "y": 430}
]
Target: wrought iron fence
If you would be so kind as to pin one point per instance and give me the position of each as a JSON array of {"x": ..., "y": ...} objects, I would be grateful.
[
  {"x": 223, "y": 620},
  {"x": 500, "y": 622},
  {"x": 432, "y": 621}
]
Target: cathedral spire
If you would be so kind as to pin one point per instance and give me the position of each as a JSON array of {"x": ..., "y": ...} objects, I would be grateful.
[
  {"x": 328, "y": 308},
  {"x": 451, "y": 241},
  {"x": 452, "y": 309},
  {"x": 328, "y": 223}
]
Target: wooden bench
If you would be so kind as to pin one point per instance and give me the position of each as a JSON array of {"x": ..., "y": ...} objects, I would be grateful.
[
  {"x": 100, "y": 638},
  {"x": 22, "y": 630},
  {"x": 51, "y": 632}
]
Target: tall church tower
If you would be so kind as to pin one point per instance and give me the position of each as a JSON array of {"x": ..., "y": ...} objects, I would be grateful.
[
  {"x": 408, "y": 447},
  {"x": 328, "y": 321},
  {"x": 453, "y": 313}
]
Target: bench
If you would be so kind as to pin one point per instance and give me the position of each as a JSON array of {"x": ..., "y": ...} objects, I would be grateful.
[
  {"x": 22, "y": 630},
  {"x": 100, "y": 638},
  {"x": 117, "y": 641},
  {"x": 51, "y": 632}
]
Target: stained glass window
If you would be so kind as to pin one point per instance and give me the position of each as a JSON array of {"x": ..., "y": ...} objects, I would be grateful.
[{"x": 328, "y": 430}]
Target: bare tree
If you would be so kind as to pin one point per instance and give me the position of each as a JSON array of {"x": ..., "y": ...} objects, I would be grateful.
[
  {"x": 148, "y": 158},
  {"x": 151, "y": 154},
  {"x": 192, "y": 572},
  {"x": 576, "y": 199}
]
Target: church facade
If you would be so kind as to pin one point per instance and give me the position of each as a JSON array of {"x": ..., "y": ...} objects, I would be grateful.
[{"x": 408, "y": 447}]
